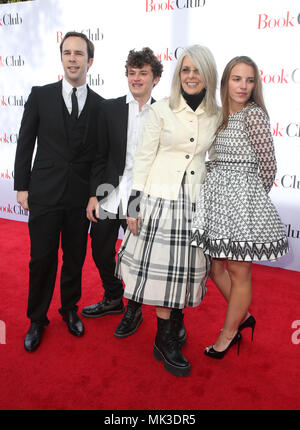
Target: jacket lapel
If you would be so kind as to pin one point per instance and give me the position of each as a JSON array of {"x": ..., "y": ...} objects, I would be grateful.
[
  {"x": 88, "y": 106},
  {"x": 123, "y": 115},
  {"x": 59, "y": 107},
  {"x": 123, "y": 125}
]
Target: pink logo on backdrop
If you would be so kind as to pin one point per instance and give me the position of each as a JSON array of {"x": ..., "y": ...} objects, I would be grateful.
[
  {"x": 93, "y": 34},
  {"x": 281, "y": 77},
  {"x": 8, "y": 138},
  {"x": 15, "y": 209},
  {"x": 288, "y": 130},
  {"x": 171, "y": 5},
  {"x": 288, "y": 20},
  {"x": 91, "y": 80},
  {"x": 6, "y": 209},
  {"x": 3, "y": 138},
  {"x": 12, "y": 100},
  {"x": 169, "y": 54},
  {"x": 5, "y": 175}
]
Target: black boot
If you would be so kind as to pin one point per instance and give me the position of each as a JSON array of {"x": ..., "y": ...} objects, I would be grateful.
[
  {"x": 105, "y": 307},
  {"x": 131, "y": 320},
  {"x": 179, "y": 329},
  {"x": 166, "y": 349}
]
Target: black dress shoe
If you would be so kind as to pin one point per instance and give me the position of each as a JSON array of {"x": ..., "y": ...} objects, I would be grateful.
[
  {"x": 105, "y": 307},
  {"x": 131, "y": 320},
  {"x": 33, "y": 336},
  {"x": 178, "y": 326},
  {"x": 74, "y": 323}
]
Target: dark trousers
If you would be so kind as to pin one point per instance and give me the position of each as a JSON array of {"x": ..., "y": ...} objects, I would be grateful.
[
  {"x": 104, "y": 235},
  {"x": 47, "y": 228}
]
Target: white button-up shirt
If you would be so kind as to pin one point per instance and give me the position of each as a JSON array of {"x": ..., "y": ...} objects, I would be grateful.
[
  {"x": 81, "y": 94},
  {"x": 136, "y": 122}
]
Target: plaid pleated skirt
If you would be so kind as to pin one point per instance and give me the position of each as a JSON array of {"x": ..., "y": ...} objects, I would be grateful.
[{"x": 159, "y": 266}]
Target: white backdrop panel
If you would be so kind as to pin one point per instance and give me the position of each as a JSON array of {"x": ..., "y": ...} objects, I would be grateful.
[{"x": 30, "y": 34}]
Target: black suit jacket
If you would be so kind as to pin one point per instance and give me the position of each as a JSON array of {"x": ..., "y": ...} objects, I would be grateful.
[
  {"x": 111, "y": 155},
  {"x": 57, "y": 168}
]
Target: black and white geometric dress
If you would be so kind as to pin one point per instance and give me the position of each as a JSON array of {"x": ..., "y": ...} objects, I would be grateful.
[{"x": 235, "y": 218}]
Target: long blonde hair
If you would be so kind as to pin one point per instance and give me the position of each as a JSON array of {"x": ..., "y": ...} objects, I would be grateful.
[
  {"x": 204, "y": 61},
  {"x": 256, "y": 95}
]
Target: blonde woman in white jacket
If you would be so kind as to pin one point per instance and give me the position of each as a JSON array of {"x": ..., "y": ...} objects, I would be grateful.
[{"x": 156, "y": 261}]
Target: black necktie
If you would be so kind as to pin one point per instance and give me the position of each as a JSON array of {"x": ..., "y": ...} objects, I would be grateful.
[{"x": 74, "y": 113}]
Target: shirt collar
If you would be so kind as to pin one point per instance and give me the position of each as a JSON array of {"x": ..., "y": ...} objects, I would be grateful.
[
  {"x": 67, "y": 87},
  {"x": 131, "y": 99}
]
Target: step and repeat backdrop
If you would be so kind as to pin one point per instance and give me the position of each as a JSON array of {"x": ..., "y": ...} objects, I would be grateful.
[{"x": 268, "y": 31}]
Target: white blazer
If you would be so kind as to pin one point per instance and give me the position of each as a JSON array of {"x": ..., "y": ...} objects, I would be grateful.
[{"x": 174, "y": 142}]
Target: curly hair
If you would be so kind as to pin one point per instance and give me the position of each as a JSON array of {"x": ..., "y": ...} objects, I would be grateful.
[{"x": 145, "y": 56}]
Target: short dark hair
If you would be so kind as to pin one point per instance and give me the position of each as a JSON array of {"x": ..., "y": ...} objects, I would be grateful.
[
  {"x": 90, "y": 45},
  {"x": 145, "y": 56}
]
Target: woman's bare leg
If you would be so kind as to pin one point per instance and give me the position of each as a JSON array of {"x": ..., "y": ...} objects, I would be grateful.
[
  {"x": 163, "y": 313},
  {"x": 239, "y": 301},
  {"x": 220, "y": 276}
]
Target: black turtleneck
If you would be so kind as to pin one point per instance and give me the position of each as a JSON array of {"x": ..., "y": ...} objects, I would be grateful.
[{"x": 193, "y": 100}]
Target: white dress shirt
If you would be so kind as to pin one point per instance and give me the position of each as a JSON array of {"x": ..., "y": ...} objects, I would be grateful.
[
  {"x": 81, "y": 94},
  {"x": 136, "y": 122}
]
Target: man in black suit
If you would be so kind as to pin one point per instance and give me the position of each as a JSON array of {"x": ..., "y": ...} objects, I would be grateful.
[
  {"x": 56, "y": 190},
  {"x": 121, "y": 122}
]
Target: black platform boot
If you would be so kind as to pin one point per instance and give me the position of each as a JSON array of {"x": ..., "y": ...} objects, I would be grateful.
[
  {"x": 166, "y": 348},
  {"x": 178, "y": 325}
]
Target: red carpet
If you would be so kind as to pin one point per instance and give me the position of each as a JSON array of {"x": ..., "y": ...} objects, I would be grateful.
[{"x": 102, "y": 372}]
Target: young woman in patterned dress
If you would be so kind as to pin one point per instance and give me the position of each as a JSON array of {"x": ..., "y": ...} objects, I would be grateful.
[{"x": 235, "y": 221}]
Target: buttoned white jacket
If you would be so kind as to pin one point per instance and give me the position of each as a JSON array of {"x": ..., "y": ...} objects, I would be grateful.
[{"x": 174, "y": 142}]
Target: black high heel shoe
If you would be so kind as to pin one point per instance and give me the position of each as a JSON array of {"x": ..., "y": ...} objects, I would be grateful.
[
  {"x": 211, "y": 352},
  {"x": 249, "y": 322}
]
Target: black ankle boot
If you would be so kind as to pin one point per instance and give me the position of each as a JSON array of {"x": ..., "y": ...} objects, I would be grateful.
[
  {"x": 166, "y": 348},
  {"x": 179, "y": 329},
  {"x": 131, "y": 320}
]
